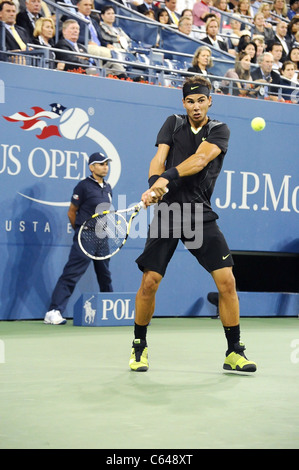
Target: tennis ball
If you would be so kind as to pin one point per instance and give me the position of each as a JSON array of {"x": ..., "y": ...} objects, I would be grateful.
[
  {"x": 258, "y": 124},
  {"x": 74, "y": 123}
]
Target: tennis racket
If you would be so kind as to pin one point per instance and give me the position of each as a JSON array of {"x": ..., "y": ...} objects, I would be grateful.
[{"x": 104, "y": 234}]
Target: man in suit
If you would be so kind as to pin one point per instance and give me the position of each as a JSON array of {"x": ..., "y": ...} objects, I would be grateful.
[
  {"x": 146, "y": 6},
  {"x": 69, "y": 43},
  {"x": 16, "y": 38},
  {"x": 265, "y": 74},
  {"x": 170, "y": 6},
  {"x": 280, "y": 37},
  {"x": 212, "y": 28},
  {"x": 96, "y": 44},
  {"x": 26, "y": 19}
]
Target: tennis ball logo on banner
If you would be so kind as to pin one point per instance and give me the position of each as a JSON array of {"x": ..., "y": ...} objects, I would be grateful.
[{"x": 71, "y": 124}]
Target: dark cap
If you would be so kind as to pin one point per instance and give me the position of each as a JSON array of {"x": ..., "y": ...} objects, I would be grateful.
[{"x": 98, "y": 157}]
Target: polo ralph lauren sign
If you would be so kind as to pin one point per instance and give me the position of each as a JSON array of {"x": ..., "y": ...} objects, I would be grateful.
[{"x": 105, "y": 309}]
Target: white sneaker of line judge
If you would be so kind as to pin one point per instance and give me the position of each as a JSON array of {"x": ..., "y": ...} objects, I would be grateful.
[{"x": 53, "y": 317}]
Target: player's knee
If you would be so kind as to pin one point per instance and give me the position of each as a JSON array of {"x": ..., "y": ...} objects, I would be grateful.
[
  {"x": 227, "y": 284},
  {"x": 150, "y": 283}
]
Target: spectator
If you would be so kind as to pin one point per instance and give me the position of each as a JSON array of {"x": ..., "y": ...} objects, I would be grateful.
[
  {"x": 96, "y": 44},
  {"x": 258, "y": 40},
  {"x": 280, "y": 36},
  {"x": 26, "y": 19},
  {"x": 265, "y": 74},
  {"x": 294, "y": 9},
  {"x": 288, "y": 71},
  {"x": 185, "y": 27},
  {"x": 222, "y": 5},
  {"x": 170, "y": 6},
  {"x": 251, "y": 49},
  {"x": 202, "y": 60},
  {"x": 200, "y": 11},
  {"x": 150, "y": 14},
  {"x": 265, "y": 8},
  {"x": 114, "y": 36},
  {"x": 292, "y": 30},
  {"x": 260, "y": 26},
  {"x": 162, "y": 16},
  {"x": 255, "y": 5},
  {"x": 288, "y": 78},
  {"x": 244, "y": 40},
  {"x": 146, "y": 6},
  {"x": 44, "y": 32},
  {"x": 244, "y": 9},
  {"x": 197, "y": 32},
  {"x": 212, "y": 38},
  {"x": 240, "y": 71},
  {"x": 280, "y": 9},
  {"x": 69, "y": 43},
  {"x": 276, "y": 51},
  {"x": 234, "y": 33},
  {"x": 16, "y": 37},
  {"x": 294, "y": 57}
]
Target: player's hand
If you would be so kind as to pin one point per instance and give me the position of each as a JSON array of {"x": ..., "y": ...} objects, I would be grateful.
[{"x": 159, "y": 188}]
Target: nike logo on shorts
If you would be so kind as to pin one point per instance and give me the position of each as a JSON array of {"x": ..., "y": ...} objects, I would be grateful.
[{"x": 225, "y": 257}]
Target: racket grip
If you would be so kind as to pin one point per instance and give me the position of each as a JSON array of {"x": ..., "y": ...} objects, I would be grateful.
[{"x": 153, "y": 194}]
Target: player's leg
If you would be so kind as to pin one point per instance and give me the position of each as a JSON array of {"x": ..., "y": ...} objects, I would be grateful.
[
  {"x": 153, "y": 262},
  {"x": 229, "y": 315},
  {"x": 144, "y": 310},
  {"x": 214, "y": 255}
]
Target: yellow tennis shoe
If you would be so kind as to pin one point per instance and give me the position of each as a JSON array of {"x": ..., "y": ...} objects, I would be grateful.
[
  {"x": 139, "y": 356},
  {"x": 237, "y": 360}
]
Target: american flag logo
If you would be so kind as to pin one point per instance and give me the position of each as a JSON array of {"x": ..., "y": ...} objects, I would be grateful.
[{"x": 39, "y": 120}]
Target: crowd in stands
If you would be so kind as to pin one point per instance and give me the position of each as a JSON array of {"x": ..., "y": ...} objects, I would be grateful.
[{"x": 261, "y": 38}]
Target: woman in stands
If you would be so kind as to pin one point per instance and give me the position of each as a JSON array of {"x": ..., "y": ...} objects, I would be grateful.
[
  {"x": 262, "y": 27},
  {"x": 280, "y": 9},
  {"x": 294, "y": 57},
  {"x": 44, "y": 34},
  {"x": 244, "y": 9},
  {"x": 202, "y": 60},
  {"x": 162, "y": 16},
  {"x": 288, "y": 77},
  {"x": 241, "y": 71},
  {"x": 114, "y": 35},
  {"x": 265, "y": 8}
]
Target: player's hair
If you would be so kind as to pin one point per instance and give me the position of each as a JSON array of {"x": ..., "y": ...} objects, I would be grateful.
[{"x": 198, "y": 79}]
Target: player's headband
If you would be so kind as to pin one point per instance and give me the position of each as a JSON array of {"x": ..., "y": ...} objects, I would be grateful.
[{"x": 195, "y": 89}]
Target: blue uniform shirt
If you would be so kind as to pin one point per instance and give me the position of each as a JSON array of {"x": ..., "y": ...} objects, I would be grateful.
[{"x": 88, "y": 195}]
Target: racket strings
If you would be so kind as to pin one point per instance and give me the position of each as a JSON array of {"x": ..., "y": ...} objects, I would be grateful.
[{"x": 104, "y": 235}]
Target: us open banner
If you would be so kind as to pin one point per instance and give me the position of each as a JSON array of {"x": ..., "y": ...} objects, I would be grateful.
[{"x": 51, "y": 121}]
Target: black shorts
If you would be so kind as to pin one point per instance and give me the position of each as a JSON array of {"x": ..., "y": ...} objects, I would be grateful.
[{"x": 213, "y": 253}]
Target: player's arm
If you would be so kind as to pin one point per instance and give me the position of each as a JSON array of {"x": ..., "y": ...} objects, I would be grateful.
[
  {"x": 72, "y": 212},
  {"x": 205, "y": 153},
  {"x": 157, "y": 167}
]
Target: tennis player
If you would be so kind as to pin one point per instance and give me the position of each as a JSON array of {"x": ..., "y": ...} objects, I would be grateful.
[
  {"x": 188, "y": 162},
  {"x": 91, "y": 195}
]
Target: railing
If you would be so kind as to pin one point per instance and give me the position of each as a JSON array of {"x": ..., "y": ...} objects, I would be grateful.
[{"x": 148, "y": 72}]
